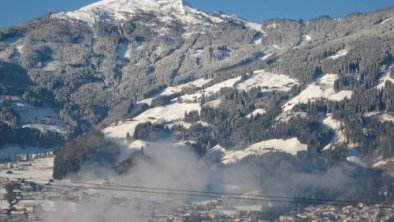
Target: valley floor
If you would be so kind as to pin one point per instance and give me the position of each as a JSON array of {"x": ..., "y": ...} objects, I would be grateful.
[{"x": 41, "y": 199}]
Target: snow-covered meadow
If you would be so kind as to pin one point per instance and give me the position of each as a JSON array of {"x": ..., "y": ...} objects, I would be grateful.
[{"x": 323, "y": 88}]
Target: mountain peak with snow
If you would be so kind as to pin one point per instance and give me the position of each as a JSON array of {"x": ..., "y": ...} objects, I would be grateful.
[
  {"x": 122, "y": 10},
  {"x": 132, "y": 5}
]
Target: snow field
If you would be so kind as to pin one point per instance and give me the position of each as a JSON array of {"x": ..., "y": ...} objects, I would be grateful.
[
  {"x": 291, "y": 146},
  {"x": 323, "y": 88}
]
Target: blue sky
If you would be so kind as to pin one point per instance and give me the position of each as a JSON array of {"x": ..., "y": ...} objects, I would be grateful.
[{"x": 17, "y": 11}]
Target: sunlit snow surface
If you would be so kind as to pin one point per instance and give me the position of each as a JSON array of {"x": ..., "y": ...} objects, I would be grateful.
[
  {"x": 323, "y": 88},
  {"x": 41, "y": 118},
  {"x": 256, "y": 112},
  {"x": 386, "y": 77},
  {"x": 339, "y": 54},
  {"x": 210, "y": 90},
  {"x": 16, "y": 57},
  {"x": 117, "y": 132},
  {"x": 291, "y": 146},
  {"x": 387, "y": 20},
  {"x": 171, "y": 90},
  {"x": 120, "y": 10},
  {"x": 173, "y": 113},
  {"x": 38, "y": 170},
  {"x": 268, "y": 82},
  {"x": 336, "y": 125}
]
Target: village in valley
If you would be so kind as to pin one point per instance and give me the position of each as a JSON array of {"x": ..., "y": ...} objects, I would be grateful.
[{"x": 28, "y": 192}]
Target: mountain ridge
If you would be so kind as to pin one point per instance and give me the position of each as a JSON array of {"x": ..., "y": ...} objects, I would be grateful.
[{"x": 122, "y": 10}]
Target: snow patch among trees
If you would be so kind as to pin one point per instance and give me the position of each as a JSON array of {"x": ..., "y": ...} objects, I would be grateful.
[
  {"x": 41, "y": 118},
  {"x": 196, "y": 97},
  {"x": 323, "y": 88},
  {"x": 268, "y": 82},
  {"x": 386, "y": 77},
  {"x": 339, "y": 54},
  {"x": 356, "y": 160},
  {"x": 387, "y": 20},
  {"x": 16, "y": 56},
  {"x": 164, "y": 114},
  {"x": 291, "y": 146},
  {"x": 171, "y": 90},
  {"x": 256, "y": 112},
  {"x": 337, "y": 126}
]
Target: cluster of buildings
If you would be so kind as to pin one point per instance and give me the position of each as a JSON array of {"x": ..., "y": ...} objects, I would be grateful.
[
  {"x": 33, "y": 197},
  {"x": 361, "y": 212},
  {"x": 33, "y": 191},
  {"x": 30, "y": 196},
  {"x": 216, "y": 210},
  {"x": 211, "y": 211},
  {"x": 26, "y": 157}
]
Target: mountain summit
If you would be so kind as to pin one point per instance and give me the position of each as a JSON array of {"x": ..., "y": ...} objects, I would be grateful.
[{"x": 122, "y": 10}]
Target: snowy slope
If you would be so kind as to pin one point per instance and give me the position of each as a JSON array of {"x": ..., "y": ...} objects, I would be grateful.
[
  {"x": 386, "y": 77},
  {"x": 323, "y": 88},
  {"x": 268, "y": 82},
  {"x": 174, "y": 113},
  {"x": 338, "y": 128},
  {"x": 339, "y": 54},
  {"x": 291, "y": 146},
  {"x": 387, "y": 20},
  {"x": 210, "y": 90},
  {"x": 171, "y": 90},
  {"x": 41, "y": 118},
  {"x": 256, "y": 112},
  {"x": 305, "y": 39},
  {"x": 177, "y": 89},
  {"x": 165, "y": 114},
  {"x": 382, "y": 163},
  {"x": 356, "y": 160},
  {"x": 16, "y": 57},
  {"x": 387, "y": 117}
]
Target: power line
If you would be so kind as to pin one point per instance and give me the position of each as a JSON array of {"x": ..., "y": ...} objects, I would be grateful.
[
  {"x": 183, "y": 192},
  {"x": 199, "y": 195},
  {"x": 234, "y": 196}
]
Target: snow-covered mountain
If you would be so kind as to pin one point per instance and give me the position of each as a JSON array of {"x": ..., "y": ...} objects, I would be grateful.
[
  {"x": 123, "y": 10},
  {"x": 282, "y": 96}
]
